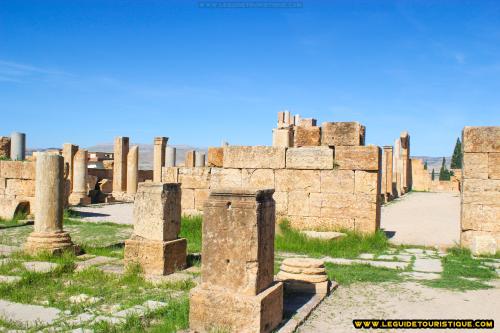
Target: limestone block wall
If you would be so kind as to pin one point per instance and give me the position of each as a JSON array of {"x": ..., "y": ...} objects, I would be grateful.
[
  {"x": 421, "y": 180},
  {"x": 320, "y": 188},
  {"x": 480, "y": 216},
  {"x": 17, "y": 187}
]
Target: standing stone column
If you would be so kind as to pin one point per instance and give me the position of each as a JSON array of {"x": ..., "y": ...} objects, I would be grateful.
[
  {"x": 238, "y": 292},
  {"x": 155, "y": 244},
  {"x": 17, "y": 146},
  {"x": 170, "y": 156},
  {"x": 120, "y": 166},
  {"x": 406, "y": 164},
  {"x": 79, "y": 195},
  {"x": 159, "y": 157},
  {"x": 48, "y": 234},
  {"x": 132, "y": 170},
  {"x": 396, "y": 167},
  {"x": 189, "y": 159},
  {"x": 199, "y": 159},
  {"x": 68, "y": 153},
  {"x": 387, "y": 187}
]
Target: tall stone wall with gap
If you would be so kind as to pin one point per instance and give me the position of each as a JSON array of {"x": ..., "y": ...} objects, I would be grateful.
[
  {"x": 17, "y": 187},
  {"x": 316, "y": 188},
  {"x": 480, "y": 192}
]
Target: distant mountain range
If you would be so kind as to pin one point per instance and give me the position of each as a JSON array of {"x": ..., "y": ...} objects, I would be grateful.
[{"x": 434, "y": 162}]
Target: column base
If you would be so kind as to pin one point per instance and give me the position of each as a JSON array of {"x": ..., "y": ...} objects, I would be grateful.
[
  {"x": 53, "y": 243},
  {"x": 156, "y": 257},
  {"x": 214, "y": 309},
  {"x": 76, "y": 199}
]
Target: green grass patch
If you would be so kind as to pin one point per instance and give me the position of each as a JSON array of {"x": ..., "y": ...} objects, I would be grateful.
[
  {"x": 191, "y": 230},
  {"x": 462, "y": 272},
  {"x": 351, "y": 246},
  {"x": 348, "y": 274}
]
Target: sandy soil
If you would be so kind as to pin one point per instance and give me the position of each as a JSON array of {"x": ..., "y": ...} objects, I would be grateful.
[
  {"x": 117, "y": 213},
  {"x": 421, "y": 218},
  {"x": 401, "y": 301}
]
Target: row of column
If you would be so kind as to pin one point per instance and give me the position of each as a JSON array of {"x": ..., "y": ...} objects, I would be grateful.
[{"x": 396, "y": 168}]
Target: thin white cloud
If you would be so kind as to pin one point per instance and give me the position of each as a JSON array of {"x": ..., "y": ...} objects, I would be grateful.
[{"x": 18, "y": 72}]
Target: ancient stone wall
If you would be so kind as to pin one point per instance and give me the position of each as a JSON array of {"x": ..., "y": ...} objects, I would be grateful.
[
  {"x": 17, "y": 187},
  {"x": 480, "y": 216},
  {"x": 420, "y": 177},
  {"x": 319, "y": 188}
]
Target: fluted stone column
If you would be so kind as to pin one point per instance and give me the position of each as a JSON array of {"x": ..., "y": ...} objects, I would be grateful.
[
  {"x": 170, "y": 156},
  {"x": 159, "y": 157},
  {"x": 199, "y": 159},
  {"x": 17, "y": 146},
  {"x": 120, "y": 166},
  {"x": 48, "y": 234},
  {"x": 79, "y": 194},
  {"x": 132, "y": 170}
]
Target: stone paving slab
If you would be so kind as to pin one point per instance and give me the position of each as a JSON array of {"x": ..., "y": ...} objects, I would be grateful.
[
  {"x": 399, "y": 257},
  {"x": 9, "y": 279},
  {"x": 428, "y": 265},
  {"x": 96, "y": 261},
  {"x": 29, "y": 315},
  {"x": 421, "y": 276},
  {"x": 385, "y": 264},
  {"x": 324, "y": 235},
  {"x": 40, "y": 266},
  {"x": 171, "y": 278},
  {"x": 113, "y": 269},
  {"x": 7, "y": 250},
  {"x": 137, "y": 310}
]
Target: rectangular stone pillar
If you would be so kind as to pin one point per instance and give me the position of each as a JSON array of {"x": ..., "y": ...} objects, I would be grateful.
[
  {"x": 170, "y": 156},
  {"x": 238, "y": 292},
  {"x": 159, "y": 157},
  {"x": 68, "y": 153},
  {"x": 405, "y": 159},
  {"x": 387, "y": 173},
  {"x": 283, "y": 137},
  {"x": 120, "y": 165},
  {"x": 155, "y": 244},
  {"x": 397, "y": 168},
  {"x": 189, "y": 159}
]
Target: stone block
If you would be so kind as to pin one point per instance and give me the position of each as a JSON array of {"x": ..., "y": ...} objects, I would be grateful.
[
  {"x": 20, "y": 187},
  {"x": 257, "y": 178},
  {"x": 189, "y": 159},
  {"x": 307, "y": 136},
  {"x": 358, "y": 157},
  {"x": 297, "y": 180},
  {"x": 342, "y": 134},
  {"x": 225, "y": 178},
  {"x": 483, "y": 244},
  {"x": 481, "y": 191},
  {"x": 200, "y": 197},
  {"x": 366, "y": 182},
  {"x": 187, "y": 199},
  {"x": 281, "y": 199},
  {"x": 321, "y": 223},
  {"x": 494, "y": 166},
  {"x": 238, "y": 241},
  {"x": 194, "y": 178},
  {"x": 283, "y": 137},
  {"x": 307, "y": 122},
  {"x": 4, "y": 147},
  {"x": 221, "y": 310},
  {"x": 215, "y": 156},
  {"x": 299, "y": 204},
  {"x": 481, "y": 139},
  {"x": 337, "y": 181},
  {"x": 475, "y": 165},
  {"x": 17, "y": 169},
  {"x": 154, "y": 256},
  {"x": 170, "y": 175},
  {"x": 480, "y": 217},
  {"x": 254, "y": 157},
  {"x": 157, "y": 211},
  {"x": 313, "y": 158}
]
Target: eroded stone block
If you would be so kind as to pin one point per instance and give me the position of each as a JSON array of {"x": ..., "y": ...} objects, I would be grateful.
[
  {"x": 257, "y": 178},
  {"x": 283, "y": 137},
  {"x": 475, "y": 165},
  {"x": 307, "y": 136},
  {"x": 494, "y": 166},
  {"x": 287, "y": 180},
  {"x": 315, "y": 158},
  {"x": 225, "y": 178},
  {"x": 254, "y": 157},
  {"x": 481, "y": 139},
  {"x": 342, "y": 134},
  {"x": 215, "y": 156},
  {"x": 358, "y": 157}
]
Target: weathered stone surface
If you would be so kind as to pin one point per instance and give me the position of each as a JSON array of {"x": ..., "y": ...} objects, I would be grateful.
[
  {"x": 283, "y": 137},
  {"x": 4, "y": 147},
  {"x": 39, "y": 266},
  {"x": 481, "y": 191},
  {"x": 257, "y": 178},
  {"x": 325, "y": 235},
  {"x": 337, "y": 181},
  {"x": 157, "y": 211},
  {"x": 475, "y": 165},
  {"x": 366, "y": 182},
  {"x": 483, "y": 244},
  {"x": 17, "y": 169},
  {"x": 189, "y": 159},
  {"x": 194, "y": 178},
  {"x": 315, "y": 158},
  {"x": 79, "y": 193},
  {"x": 200, "y": 197},
  {"x": 301, "y": 270},
  {"x": 299, "y": 203},
  {"x": 170, "y": 174},
  {"x": 307, "y": 136},
  {"x": 307, "y": 122},
  {"x": 215, "y": 156},
  {"x": 156, "y": 257},
  {"x": 321, "y": 223},
  {"x": 480, "y": 217},
  {"x": 158, "y": 157},
  {"x": 132, "y": 170},
  {"x": 493, "y": 165},
  {"x": 28, "y": 315},
  {"x": 303, "y": 277},
  {"x": 281, "y": 199},
  {"x": 358, "y": 157},
  {"x": 20, "y": 187},
  {"x": 387, "y": 173},
  {"x": 258, "y": 157},
  {"x": 120, "y": 164},
  {"x": 428, "y": 265},
  {"x": 225, "y": 178},
  {"x": 238, "y": 240},
  {"x": 481, "y": 139},
  {"x": 230, "y": 312},
  {"x": 304, "y": 262},
  {"x": 187, "y": 199},
  {"x": 287, "y": 180},
  {"x": 342, "y": 134}
]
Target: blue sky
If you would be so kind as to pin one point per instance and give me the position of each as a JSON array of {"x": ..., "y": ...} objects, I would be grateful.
[{"x": 87, "y": 71}]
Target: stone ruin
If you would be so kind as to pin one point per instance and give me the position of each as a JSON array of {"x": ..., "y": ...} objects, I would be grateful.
[
  {"x": 237, "y": 291},
  {"x": 480, "y": 195},
  {"x": 155, "y": 244}
]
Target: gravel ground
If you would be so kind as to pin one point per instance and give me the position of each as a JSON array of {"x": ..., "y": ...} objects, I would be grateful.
[{"x": 117, "y": 213}]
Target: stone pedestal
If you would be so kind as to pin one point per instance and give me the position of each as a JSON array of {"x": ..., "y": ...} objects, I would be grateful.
[
  {"x": 155, "y": 245},
  {"x": 120, "y": 166},
  {"x": 79, "y": 195},
  {"x": 17, "y": 146},
  {"x": 48, "y": 234},
  {"x": 158, "y": 157},
  {"x": 238, "y": 292},
  {"x": 304, "y": 276},
  {"x": 132, "y": 170},
  {"x": 170, "y": 156}
]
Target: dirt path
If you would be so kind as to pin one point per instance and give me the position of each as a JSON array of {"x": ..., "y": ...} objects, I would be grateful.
[
  {"x": 401, "y": 301},
  {"x": 420, "y": 218},
  {"x": 117, "y": 213}
]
